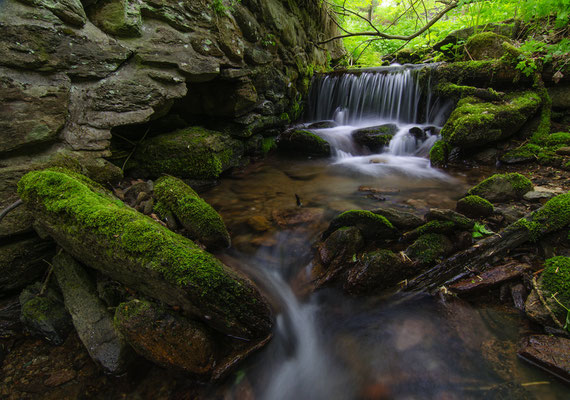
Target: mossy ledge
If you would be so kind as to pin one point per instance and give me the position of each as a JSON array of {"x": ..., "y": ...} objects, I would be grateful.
[
  {"x": 198, "y": 217},
  {"x": 107, "y": 235}
]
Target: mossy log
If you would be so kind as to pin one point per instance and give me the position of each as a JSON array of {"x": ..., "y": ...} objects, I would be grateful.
[
  {"x": 554, "y": 215},
  {"x": 105, "y": 234}
]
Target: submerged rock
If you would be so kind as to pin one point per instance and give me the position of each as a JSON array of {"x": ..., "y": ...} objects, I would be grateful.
[
  {"x": 135, "y": 250},
  {"x": 166, "y": 338},
  {"x": 44, "y": 314},
  {"x": 548, "y": 352},
  {"x": 375, "y": 137},
  {"x": 303, "y": 142},
  {"x": 198, "y": 217},
  {"x": 194, "y": 153},
  {"x": 93, "y": 323},
  {"x": 502, "y": 187}
]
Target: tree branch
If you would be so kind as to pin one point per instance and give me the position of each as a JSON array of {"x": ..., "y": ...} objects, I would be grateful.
[{"x": 377, "y": 33}]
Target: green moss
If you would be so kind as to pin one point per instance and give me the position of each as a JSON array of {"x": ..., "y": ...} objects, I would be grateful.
[
  {"x": 130, "y": 309},
  {"x": 346, "y": 217},
  {"x": 475, "y": 206},
  {"x": 475, "y": 122},
  {"x": 556, "y": 278},
  {"x": 554, "y": 215},
  {"x": 37, "y": 309},
  {"x": 435, "y": 227},
  {"x": 197, "y": 216},
  {"x": 557, "y": 139},
  {"x": 429, "y": 248},
  {"x": 268, "y": 144},
  {"x": 519, "y": 183},
  {"x": 372, "y": 226},
  {"x": 195, "y": 153},
  {"x": 439, "y": 153},
  {"x": 68, "y": 201}
]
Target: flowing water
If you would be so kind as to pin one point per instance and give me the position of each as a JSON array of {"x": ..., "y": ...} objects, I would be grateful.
[{"x": 328, "y": 345}]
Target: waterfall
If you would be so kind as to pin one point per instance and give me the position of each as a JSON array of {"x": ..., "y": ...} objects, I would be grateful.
[{"x": 397, "y": 98}]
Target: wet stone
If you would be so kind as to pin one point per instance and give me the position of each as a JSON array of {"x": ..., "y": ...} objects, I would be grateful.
[
  {"x": 550, "y": 353},
  {"x": 490, "y": 278}
]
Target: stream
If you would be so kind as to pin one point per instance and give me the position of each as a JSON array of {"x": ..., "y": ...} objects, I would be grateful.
[{"x": 328, "y": 345}]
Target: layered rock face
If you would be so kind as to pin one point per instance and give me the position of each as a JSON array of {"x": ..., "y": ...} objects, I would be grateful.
[{"x": 73, "y": 73}]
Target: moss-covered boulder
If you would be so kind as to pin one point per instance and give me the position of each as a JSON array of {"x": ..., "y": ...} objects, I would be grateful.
[
  {"x": 199, "y": 218},
  {"x": 43, "y": 314},
  {"x": 167, "y": 338},
  {"x": 554, "y": 288},
  {"x": 502, "y": 187},
  {"x": 434, "y": 226},
  {"x": 429, "y": 248},
  {"x": 400, "y": 219},
  {"x": 442, "y": 214},
  {"x": 475, "y": 123},
  {"x": 542, "y": 149},
  {"x": 194, "y": 153},
  {"x": 375, "y": 137},
  {"x": 377, "y": 270},
  {"x": 92, "y": 321},
  {"x": 374, "y": 227},
  {"x": 553, "y": 216},
  {"x": 485, "y": 46},
  {"x": 131, "y": 248},
  {"x": 475, "y": 207},
  {"x": 303, "y": 142}
]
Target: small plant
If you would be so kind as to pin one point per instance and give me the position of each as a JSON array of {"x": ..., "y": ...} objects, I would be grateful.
[
  {"x": 220, "y": 7},
  {"x": 268, "y": 40},
  {"x": 480, "y": 230}
]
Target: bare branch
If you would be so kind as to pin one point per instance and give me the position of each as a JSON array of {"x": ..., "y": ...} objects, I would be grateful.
[{"x": 382, "y": 35}]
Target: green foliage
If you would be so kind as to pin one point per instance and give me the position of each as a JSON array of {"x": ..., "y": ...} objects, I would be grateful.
[
  {"x": 220, "y": 7},
  {"x": 407, "y": 17},
  {"x": 480, "y": 230}
]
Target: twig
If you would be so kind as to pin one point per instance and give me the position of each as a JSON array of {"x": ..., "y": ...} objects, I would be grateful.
[
  {"x": 133, "y": 150},
  {"x": 10, "y": 208}
]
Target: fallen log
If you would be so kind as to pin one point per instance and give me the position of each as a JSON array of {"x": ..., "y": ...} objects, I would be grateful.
[
  {"x": 554, "y": 215},
  {"x": 105, "y": 234}
]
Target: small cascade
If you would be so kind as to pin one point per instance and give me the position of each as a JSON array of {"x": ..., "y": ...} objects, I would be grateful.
[{"x": 389, "y": 95}]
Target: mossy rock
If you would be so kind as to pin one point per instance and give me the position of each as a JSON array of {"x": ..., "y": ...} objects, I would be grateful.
[
  {"x": 400, "y": 219},
  {"x": 375, "y": 137},
  {"x": 475, "y": 123},
  {"x": 303, "y": 142},
  {"x": 439, "y": 154},
  {"x": 442, "y": 214},
  {"x": 429, "y": 249},
  {"x": 117, "y": 17},
  {"x": 375, "y": 271},
  {"x": 502, "y": 187},
  {"x": 194, "y": 153},
  {"x": 553, "y": 216},
  {"x": 199, "y": 218},
  {"x": 556, "y": 279},
  {"x": 45, "y": 315},
  {"x": 131, "y": 248},
  {"x": 166, "y": 338},
  {"x": 373, "y": 227},
  {"x": 435, "y": 226},
  {"x": 475, "y": 207},
  {"x": 485, "y": 46}
]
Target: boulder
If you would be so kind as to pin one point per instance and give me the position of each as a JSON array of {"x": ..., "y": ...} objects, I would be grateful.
[
  {"x": 441, "y": 214},
  {"x": 199, "y": 218},
  {"x": 475, "y": 123},
  {"x": 69, "y": 11},
  {"x": 400, "y": 219},
  {"x": 457, "y": 36},
  {"x": 34, "y": 108},
  {"x": 429, "y": 248},
  {"x": 22, "y": 263},
  {"x": 502, "y": 187},
  {"x": 194, "y": 153},
  {"x": 375, "y": 137},
  {"x": 322, "y": 125},
  {"x": 44, "y": 314},
  {"x": 91, "y": 320},
  {"x": 439, "y": 154},
  {"x": 374, "y": 227},
  {"x": 132, "y": 248},
  {"x": 303, "y": 142},
  {"x": 376, "y": 271},
  {"x": 435, "y": 226},
  {"x": 550, "y": 353},
  {"x": 166, "y": 338},
  {"x": 485, "y": 46},
  {"x": 120, "y": 18},
  {"x": 475, "y": 207}
]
